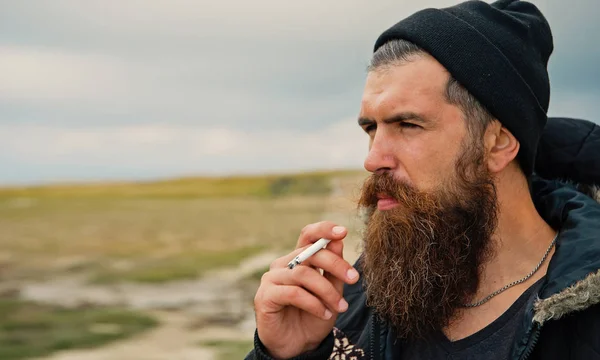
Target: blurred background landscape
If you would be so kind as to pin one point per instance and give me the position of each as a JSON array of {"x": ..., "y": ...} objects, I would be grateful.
[
  {"x": 157, "y": 156},
  {"x": 173, "y": 265}
]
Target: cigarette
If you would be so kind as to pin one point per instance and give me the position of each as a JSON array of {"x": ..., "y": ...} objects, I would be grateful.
[{"x": 310, "y": 251}]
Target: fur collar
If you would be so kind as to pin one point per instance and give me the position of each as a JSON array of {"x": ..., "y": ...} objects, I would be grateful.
[
  {"x": 592, "y": 191},
  {"x": 579, "y": 296}
]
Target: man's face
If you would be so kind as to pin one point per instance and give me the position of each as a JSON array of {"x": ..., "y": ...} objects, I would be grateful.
[
  {"x": 431, "y": 200},
  {"x": 414, "y": 132}
]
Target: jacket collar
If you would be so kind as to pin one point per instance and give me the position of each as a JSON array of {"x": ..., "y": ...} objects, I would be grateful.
[
  {"x": 573, "y": 276},
  {"x": 572, "y": 281}
]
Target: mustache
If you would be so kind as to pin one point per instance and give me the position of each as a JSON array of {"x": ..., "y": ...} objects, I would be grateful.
[{"x": 379, "y": 184}]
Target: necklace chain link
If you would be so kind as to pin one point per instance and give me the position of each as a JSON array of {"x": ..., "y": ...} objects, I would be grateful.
[{"x": 506, "y": 287}]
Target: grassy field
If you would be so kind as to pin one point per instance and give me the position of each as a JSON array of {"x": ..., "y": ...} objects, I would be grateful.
[
  {"x": 28, "y": 330},
  {"x": 230, "y": 350},
  {"x": 153, "y": 232},
  {"x": 208, "y": 187}
]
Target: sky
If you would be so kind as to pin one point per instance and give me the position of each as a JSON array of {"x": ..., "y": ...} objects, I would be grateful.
[{"x": 102, "y": 90}]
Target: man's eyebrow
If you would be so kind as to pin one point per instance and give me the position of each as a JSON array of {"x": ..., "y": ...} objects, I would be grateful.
[
  {"x": 364, "y": 121},
  {"x": 405, "y": 116}
]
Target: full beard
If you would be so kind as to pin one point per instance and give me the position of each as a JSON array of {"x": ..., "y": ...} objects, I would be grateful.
[{"x": 422, "y": 260}]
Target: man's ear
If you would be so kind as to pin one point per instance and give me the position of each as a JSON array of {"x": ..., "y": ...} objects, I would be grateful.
[{"x": 501, "y": 145}]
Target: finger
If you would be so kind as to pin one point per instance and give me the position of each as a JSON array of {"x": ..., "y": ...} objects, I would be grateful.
[
  {"x": 284, "y": 260},
  {"x": 311, "y": 280},
  {"x": 351, "y": 275},
  {"x": 324, "y": 229},
  {"x": 333, "y": 264},
  {"x": 288, "y": 295}
]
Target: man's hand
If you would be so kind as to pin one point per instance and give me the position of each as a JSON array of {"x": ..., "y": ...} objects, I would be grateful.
[{"x": 297, "y": 308}]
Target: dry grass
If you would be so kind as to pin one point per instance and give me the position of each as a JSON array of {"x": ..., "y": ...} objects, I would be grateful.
[
  {"x": 55, "y": 233},
  {"x": 157, "y": 231},
  {"x": 198, "y": 187}
]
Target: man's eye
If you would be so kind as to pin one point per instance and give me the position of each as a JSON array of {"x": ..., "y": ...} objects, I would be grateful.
[
  {"x": 370, "y": 128},
  {"x": 408, "y": 125}
]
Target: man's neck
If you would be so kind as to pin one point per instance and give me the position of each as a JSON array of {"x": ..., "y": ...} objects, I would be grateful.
[
  {"x": 520, "y": 240},
  {"x": 519, "y": 243}
]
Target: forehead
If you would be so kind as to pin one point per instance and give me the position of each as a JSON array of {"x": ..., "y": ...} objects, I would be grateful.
[{"x": 418, "y": 86}]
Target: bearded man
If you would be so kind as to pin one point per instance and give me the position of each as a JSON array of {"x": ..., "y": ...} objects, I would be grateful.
[{"x": 471, "y": 250}]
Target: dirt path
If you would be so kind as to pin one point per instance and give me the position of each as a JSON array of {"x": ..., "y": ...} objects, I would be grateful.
[
  {"x": 171, "y": 340},
  {"x": 215, "y": 307},
  {"x": 218, "y": 288}
]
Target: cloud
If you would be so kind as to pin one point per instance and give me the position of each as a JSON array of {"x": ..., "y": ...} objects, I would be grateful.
[
  {"x": 41, "y": 74},
  {"x": 137, "y": 88},
  {"x": 144, "y": 151},
  {"x": 266, "y": 63},
  {"x": 580, "y": 104}
]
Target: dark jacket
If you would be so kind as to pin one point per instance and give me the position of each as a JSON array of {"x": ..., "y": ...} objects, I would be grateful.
[{"x": 563, "y": 322}]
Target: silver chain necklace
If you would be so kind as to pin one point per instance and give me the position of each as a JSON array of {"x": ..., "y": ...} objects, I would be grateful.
[{"x": 487, "y": 298}]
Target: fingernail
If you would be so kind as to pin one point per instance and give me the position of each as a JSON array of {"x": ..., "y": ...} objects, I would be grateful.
[
  {"x": 343, "y": 305},
  {"x": 352, "y": 274},
  {"x": 338, "y": 230},
  {"x": 327, "y": 315}
]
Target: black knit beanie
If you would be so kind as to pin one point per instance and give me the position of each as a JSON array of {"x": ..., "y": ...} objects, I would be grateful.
[{"x": 499, "y": 52}]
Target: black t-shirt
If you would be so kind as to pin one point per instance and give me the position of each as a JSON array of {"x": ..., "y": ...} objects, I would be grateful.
[{"x": 494, "y": 342}]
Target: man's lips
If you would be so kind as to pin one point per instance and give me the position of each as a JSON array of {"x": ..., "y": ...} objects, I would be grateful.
[{"x": 386, "y": 202}]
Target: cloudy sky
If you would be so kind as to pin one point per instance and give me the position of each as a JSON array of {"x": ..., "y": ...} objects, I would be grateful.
[{"x": 136, "y": 89}]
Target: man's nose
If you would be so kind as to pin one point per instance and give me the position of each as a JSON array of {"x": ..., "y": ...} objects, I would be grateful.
[{"x": 381, "y": 155}]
